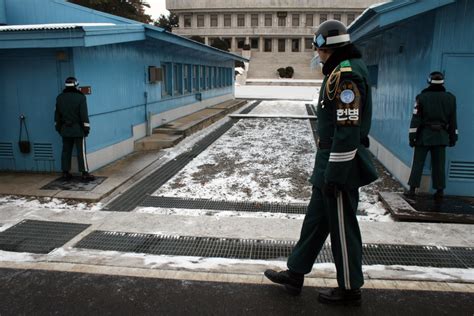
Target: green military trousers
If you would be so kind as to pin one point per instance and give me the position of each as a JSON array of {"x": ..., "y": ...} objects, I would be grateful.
[
  {"x": 68, "y": 144},
  {"x": 335, "y": 216},
  {"x": 438, "y": 161}
]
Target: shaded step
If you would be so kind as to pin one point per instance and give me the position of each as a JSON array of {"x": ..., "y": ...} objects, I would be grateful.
[
  {"x": 157, "y": 141},
  {"x": 189, "y": 124},
  {"x": 229, "y": 106}
]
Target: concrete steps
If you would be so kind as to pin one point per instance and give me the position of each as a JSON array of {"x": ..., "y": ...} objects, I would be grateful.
[{"x": 170, "y": 134}]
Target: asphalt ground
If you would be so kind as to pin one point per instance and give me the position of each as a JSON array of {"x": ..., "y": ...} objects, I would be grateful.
[{"x": 40, "y": 292}]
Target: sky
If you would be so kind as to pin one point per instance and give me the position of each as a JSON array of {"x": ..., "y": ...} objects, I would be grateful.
[{"x": 157, "y": 7}]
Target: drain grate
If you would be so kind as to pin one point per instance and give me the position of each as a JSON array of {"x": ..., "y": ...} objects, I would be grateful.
[
  {"x": 131, "y": 198},
  {"x": 202, "y": 204},
  {"x": 38, "y": 236},
  {"x": 75, "y": 184},
  {"x": 232, "y": 248}
]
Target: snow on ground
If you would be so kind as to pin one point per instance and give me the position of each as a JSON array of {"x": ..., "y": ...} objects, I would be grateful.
[
  {"x": 264, "y": 160},
  {"x": 48, "y": 203}
]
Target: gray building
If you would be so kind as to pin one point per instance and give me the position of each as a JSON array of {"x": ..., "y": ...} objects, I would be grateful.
[{"x": 279, "y": 33}]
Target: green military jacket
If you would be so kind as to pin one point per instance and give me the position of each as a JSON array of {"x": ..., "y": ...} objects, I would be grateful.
[
  {"x": 434, "y": 118},
  {"x": 70, "y": 117},
  {"x": 344, "y": 117}
]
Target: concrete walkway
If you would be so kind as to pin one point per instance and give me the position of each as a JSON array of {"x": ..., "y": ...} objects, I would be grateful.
[{"x": 236, "y": 276}]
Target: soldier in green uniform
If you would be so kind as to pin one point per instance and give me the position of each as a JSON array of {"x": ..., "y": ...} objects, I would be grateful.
[
  {"x": 72, "y": 123},
  {"x": 342, "y": 165},
  {"x": 433, "y": 127}
]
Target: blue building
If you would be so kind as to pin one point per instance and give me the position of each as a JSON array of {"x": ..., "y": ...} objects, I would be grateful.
[
  {"x": 402, "y": 42},
  {"x": 139, "y": 77}
]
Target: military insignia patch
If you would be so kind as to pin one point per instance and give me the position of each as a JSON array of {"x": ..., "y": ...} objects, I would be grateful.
[
  {"x": 347, "y": 96},
  {"x": 348, "y": 105}
]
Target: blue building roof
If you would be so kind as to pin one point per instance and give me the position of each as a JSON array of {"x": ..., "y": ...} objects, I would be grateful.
[
  {"x": 380, "y": 17},
  {"x": 85, "y": 28}
]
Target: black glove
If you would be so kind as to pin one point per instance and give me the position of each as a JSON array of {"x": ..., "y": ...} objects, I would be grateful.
[
  {"x": 412, "y": 143},
  {"x": 86, "y": 131},
  {"x": 330, "y": 189},
  {"x": 452, "y": 143}
]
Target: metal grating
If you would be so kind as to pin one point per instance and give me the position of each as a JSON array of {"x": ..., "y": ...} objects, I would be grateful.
[
  {"x": 310, "y": 110},
  {"x": 6, "y": 151},
  {"x": 461, "y": 170},
  {"x": 38, "y": 236},
  {"x": 425, "y": 256},
  {"x": 43, "y": 151},
  {"x": 203, "y": 204},
  {"x": 136, "y": 194}
]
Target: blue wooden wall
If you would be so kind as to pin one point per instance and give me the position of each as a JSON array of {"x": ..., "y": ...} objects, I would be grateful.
[
  {"x": 405, "y": 54},
  {"x": 3, "y": 17}
]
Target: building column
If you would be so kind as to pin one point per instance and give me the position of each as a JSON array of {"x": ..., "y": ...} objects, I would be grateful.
[
  {"x": 303, "y": 44},
  {"x": 206, "y": 40},
  {"x": 275, "y": 44},
  {"x": 288, "y": 45},
  {"x": 247, "y": 40},
  {"x": 233, "y": 46},
  {"x": 261, "y": 43}
]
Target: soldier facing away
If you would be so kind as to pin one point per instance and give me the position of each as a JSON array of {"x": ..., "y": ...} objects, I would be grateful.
[
  {"x": 432, "y": 128},
  {"x": 72, "y": 123},
  {"x": 342, "y": 165}
]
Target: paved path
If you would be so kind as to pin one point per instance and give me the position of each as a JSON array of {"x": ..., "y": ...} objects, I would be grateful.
[{"x": 34, "y": 292}]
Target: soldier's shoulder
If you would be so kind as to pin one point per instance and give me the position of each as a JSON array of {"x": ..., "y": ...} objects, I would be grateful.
[{"x": 345, "y": 66}]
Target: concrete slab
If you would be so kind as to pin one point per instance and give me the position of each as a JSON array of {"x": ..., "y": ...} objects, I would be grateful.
[
  {"x": 189, "y": 124},
  {"x": 402, "y": 210},
  {"x": 157, "y": 141},
  {"x": 116, "y": 174}
]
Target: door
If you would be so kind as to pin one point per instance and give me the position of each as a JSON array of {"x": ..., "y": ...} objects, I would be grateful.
[
  {"x": 460, "y": 159},
  {"x": 28, "y": 86}
]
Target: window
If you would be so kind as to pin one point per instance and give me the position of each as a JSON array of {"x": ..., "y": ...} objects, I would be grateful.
[
  {"x": 295, "y": 45},
  {"x": 202, "y": 77},
  {"x": 323, "y": 17},
  {"x": 281, "y": 44},
  {"x": 254, "y": 43},
  {"x": 200, "y": 20},
  {"x": 227, "y": 20},
  {"x": 350, "y": 18},
  {"x": 309, "y": 20},
  {"x": 213, "y": 20},
  {"x": 187, "y": 20},
  {"x": 337, "y": 16},
  {"x": 308, "y": 43},
  {"x": 241, "y": 20},
  {"x": 195, "y": 77},
  {"x": 165, "y": 84},
  {"x": 228, "y": 41},
  {"x": 295, "y": 20},
  {"x": 240, "y": 42},
  {"x": 268, "y": 20},
  {"x": 281, "y": 21},
  {"x": 186, "y": 78},
  {"x": 177, "y": 77},
  {"x": 268, "y": 45},
  {"x": 209, "y": 77},
  {"x": 254, "y": 20}
]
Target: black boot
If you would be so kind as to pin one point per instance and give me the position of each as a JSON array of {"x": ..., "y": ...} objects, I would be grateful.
[
  {"x": 410, "y": 193},
  {"x": 87, "y": 177},
  {"x": 438, "y": 196},
  {"x": 66, "y": 176},
  {"x": 340, "y": 296},
  {"x": 292, "y": 281}
]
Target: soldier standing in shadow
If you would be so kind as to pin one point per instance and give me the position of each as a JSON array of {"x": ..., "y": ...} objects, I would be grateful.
[
  {"x": 72, "y": 123},
  {"x": 433, "y": 127}
]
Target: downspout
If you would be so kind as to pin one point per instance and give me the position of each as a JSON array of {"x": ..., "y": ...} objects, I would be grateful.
[{"x": 3, "y": 12}]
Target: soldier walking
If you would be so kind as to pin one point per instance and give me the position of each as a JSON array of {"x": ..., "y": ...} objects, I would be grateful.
[
  {"x": 432, "y": 128},
  {"x": 342, "y": 165},
  {"x": 72, "y": 123}
]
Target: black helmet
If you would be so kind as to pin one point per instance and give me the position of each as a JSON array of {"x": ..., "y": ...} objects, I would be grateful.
[
  {"x": 436, "y": 77},
  {"x": 71, "y": 82},
  {"x": 331, "y": 34}
]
